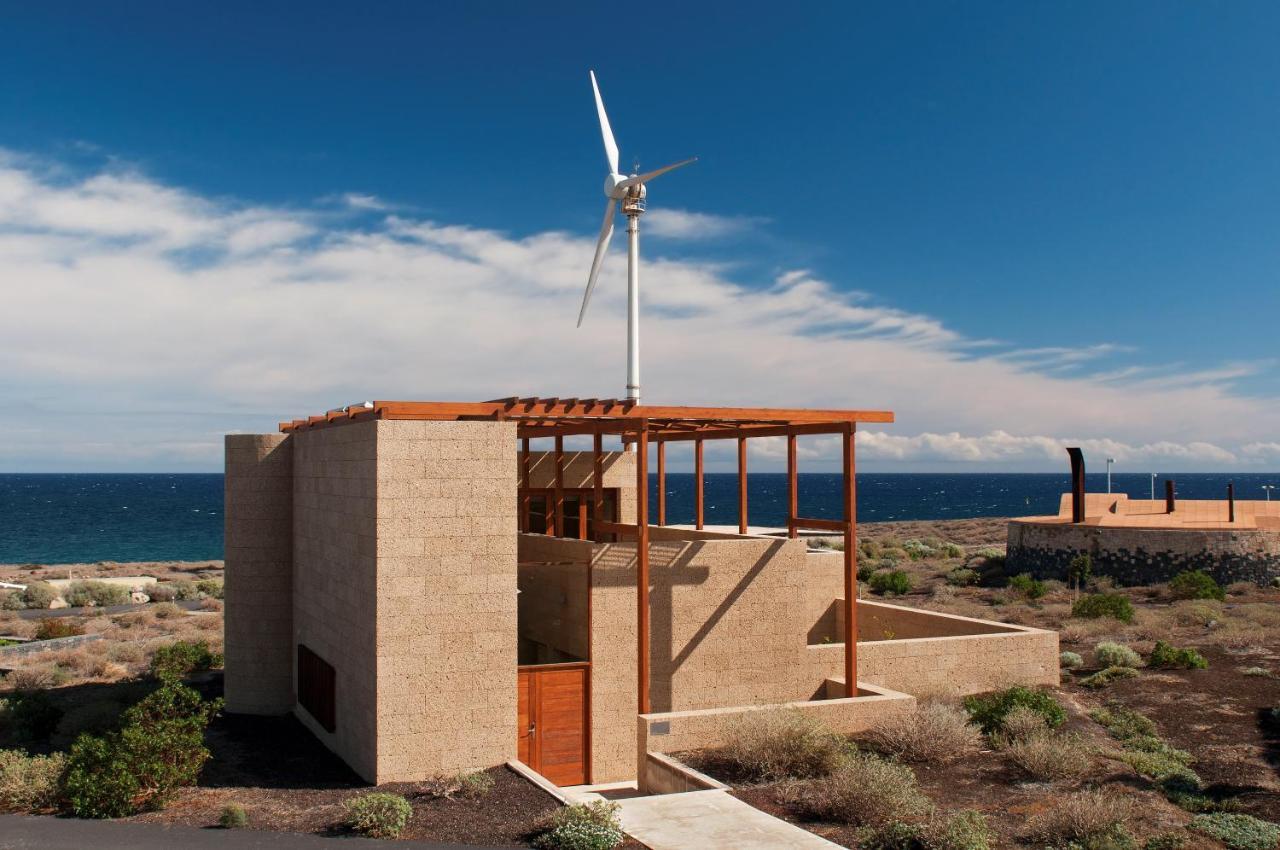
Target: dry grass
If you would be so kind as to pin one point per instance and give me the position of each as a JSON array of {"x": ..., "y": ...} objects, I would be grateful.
[
  {"x": 767, "y": 746},
  {"x": 866, "y": 791},
  {"x": 936, "y": 732},
  {"x": 1048, "y": 755},
  {"x": 1082, "y": 816}
]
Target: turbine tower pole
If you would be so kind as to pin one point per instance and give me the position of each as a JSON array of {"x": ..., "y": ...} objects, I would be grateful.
[{"x": 633, "y": 212}]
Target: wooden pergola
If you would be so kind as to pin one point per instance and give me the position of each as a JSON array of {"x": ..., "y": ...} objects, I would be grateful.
[{"x": 639, "y": 425}]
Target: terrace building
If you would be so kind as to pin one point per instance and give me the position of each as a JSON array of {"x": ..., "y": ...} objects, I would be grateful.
[{"x": 427, "y": 593}]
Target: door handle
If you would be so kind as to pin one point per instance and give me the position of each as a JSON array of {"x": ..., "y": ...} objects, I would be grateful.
[{"x": 533, "y": 728}]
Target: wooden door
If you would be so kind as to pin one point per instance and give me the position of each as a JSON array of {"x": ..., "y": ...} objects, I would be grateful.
[{"x": 552, "y": 721}]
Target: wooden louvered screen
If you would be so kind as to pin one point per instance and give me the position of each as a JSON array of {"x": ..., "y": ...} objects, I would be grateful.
[{"x": 316, "y": 682}]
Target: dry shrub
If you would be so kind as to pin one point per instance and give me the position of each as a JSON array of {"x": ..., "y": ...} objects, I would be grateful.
[
  {"x": 1240, "y": 637},
  {"x": 1022, "y": 722},
  {"x": 207, "y": 624},
  {"x": 1262, "y": 614},
  {"x": 1196, "y": 612},
  {"x": 29, "y": 783},
  {"x": 1090, "y": 631},
  {"x": 211, "y": 604},
  {"x": 866, "y": 791},
  {"x": 136, "y": 619},
  {"x": 1049, "y": 755},
  {"x": 105, "y": 670},
  {"x": 167, "y": 611},
  {"x": 126, "y": 653},
  {"x": 767, "y": 746},
  {"x": 32, "y": 678},
  {"x": 936, "y": 732},
  {"x": 1081, "y": 816}
]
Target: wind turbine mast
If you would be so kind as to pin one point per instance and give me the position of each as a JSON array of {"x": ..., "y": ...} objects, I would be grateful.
[{"x": 630, "y": 192}]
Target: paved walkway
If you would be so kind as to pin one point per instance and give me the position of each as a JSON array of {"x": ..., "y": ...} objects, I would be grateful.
[
  {"x": 706, "y": 820},
  {"x": 21, "y": 832}
]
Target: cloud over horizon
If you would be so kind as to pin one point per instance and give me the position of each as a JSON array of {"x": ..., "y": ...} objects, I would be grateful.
[{"x": 142, "y": 321}]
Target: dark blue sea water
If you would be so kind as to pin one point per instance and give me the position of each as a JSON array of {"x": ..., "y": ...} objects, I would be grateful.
[{"x": 86, "y": 518}]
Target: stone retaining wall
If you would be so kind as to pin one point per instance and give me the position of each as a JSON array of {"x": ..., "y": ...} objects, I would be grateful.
[{"x": 1144, "y": 555}]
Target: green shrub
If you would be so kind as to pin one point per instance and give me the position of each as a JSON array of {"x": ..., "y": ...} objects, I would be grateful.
[
  {"x": 952, "y": 550},
  {"x": 1196, "y": 584},
  {"x": 29, "y": 783},
  {"x": 57, "y": 627},
  {"x": 158, "y": 749},
  {"x": 233, "y": 817},
  {"x": 767, "y": 746},
  {"x": 161, "y": 593},
  {"x": 37, "y": 594},
  {"x": 866, "y": 570},
  {"x": 964, "y": 830},
  {"x": 585, "y": 826},
  {"x": 1095, "y": 605},
  {"x": 917, "y": 550},
  {"x": 1028, "y": 585},
  {"x": 1238, "y": 832},
  {"x": 990, "y": 710},
  {"x": 181, "y": 658},
  {"x": 894, "y": 582},
  {"x": 184, "y": 590},
  {"x": 378, "y": 815},
  {"x": 1125, "y": 724},
  {"x": 1079, "y": 570},
  {"x": 1070, "y": 660},
  {"x": 1166, "y": 841},
  {"x": 962, "y": 577},
  {"x": 1166, "y": 655},
  {"x": 82, "y": 593},
  {"x": 209, "y": 587},
  {"x": 1107, "y": 675},
  {"x": 1116, "y": 655},
  {"x": 30, "y": 716}
]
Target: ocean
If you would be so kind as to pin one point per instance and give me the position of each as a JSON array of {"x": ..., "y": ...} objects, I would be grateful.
[{"x": 83, "y": 518}]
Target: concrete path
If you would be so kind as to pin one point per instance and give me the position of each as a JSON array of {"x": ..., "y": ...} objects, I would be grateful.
[
  {"x": 710, "y": 820},
  {"x": 21, "y": 832}
]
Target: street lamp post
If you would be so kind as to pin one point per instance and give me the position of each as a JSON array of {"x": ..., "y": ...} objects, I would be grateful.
[
  {"x": 1110, "y": 461},
  {"x": 1153, "y": 486},
  {"x": 1267, "y": 488}
]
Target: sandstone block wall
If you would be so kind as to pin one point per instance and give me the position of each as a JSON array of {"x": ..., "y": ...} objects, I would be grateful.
[
  {"x": 445, "y": 643},
  {"x": 1138, "y": 555},
  {"x": 258, "y": 529},
  {"x": 619, "y": 473}
]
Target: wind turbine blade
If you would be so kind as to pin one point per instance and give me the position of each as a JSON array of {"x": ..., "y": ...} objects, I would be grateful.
[
  {"x": 649, "y": 175},
  {"x": 602, "y": 247},
  {"x": 610, "y": 146}
]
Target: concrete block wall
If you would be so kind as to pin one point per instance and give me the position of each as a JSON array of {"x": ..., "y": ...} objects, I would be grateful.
[
  {"x": 334, "y": 579},
  {"x": 446, "y": 543},
  {"x": 258, "y": 528}
]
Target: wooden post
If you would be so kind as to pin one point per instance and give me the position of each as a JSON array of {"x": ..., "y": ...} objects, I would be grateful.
[
  {"x": 1231, "y": 501},
  {"x": 697, "y": 491},
  {"x": 662, "y": 483},
  {"x": 559, "y": 483},
  {"x": 793, "y": 487},
  {"x": 642, "y": 566},
  {"x": 1169, "y": 498},
  {"x": 525, "y": 497},
  {"x": 742, "y": 485},
  {"x": 850, "y": 566},
  {"x": 597, "y": 483}
]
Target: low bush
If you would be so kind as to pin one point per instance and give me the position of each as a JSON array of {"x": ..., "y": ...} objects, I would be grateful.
[
  {"x": 184, "y": 590},
  {"x": 962, "y": 577},
  {"x": 1125, "y": 724},
  {"x": 30, "y": 716},
  {"x": 1168, "y": 656},
  {"x": 1107, "y": 675},
  {"x": 167, "y": 611},
  {"x": 936, "y": 733},
  {"x": 964, "y": 830},
  {"x": 951, "y": 550},
  {"x": 1166, "y": 841},
  {"x": 210, "y": 587},
  {"x": 868, "y": 790},
  {"x": 1095, "y": 605},
  {"x": 83, "y": 593},
  {"x": 233, "y": 817},
  {"x": 1086, "y": 817},
  {"x": 1238, "y": 832},
  {"x": 468, "y": 784},
  {"x": 1195, "y": 584},
  {"x": 1079, "y": 570},
  {"x": 990, "y": 710},
  {"x": 57, "y": 627},
  {"x": 161, "y": 593},
  {"x": 29, "y": 783},
  {"x": 37, "y": 594},
  {"x": 1070, "y": 660},
  {"x": 1116, "y": 655},
  {"x": 1027, "y": 585},
  {"x": 767, "y": 746},
  {"x": 918, "y": 550},
  {"x": 182, "y": 658},
  {"x": 866, "y": 569},
  {"x": 1021, "y": 722},
  {"x": 586, "y": 826},
  {"x": 378, "y": 815},
  {"x": 894, "y": 582},
  {"x": 158, "y": 749},
  {"x": 1048, "y": 755}
]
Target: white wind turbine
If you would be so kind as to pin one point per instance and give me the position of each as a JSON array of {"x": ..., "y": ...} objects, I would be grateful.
[{"x": 631, "y": 192}]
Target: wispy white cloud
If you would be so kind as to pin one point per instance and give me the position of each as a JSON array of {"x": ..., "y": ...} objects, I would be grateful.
[
  {"x": 208, "y": 315},
  {"x": 672, "y": 223}
]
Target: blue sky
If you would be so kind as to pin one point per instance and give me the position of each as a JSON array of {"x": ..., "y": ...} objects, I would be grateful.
[{"x": 1083, "y": 192}]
